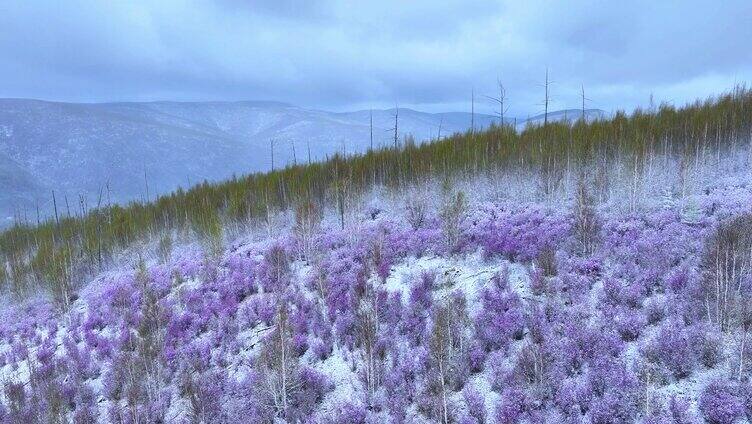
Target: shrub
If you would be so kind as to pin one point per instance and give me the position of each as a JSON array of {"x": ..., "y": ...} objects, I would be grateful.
[
  {"x": 613, "y": 408},
  {"x": 512, "y": 406},
  {"x": 629, "y": 323},
  {"x": 476, "y": 358},
  {"x": 546, "y": 261},
  {"x": 538, "y": 282},
  {"x": 674, "y": 350},
  {"x": 720, "y": 403},
  {"x": 501, "y": 317},
  {"x": 678, "y": 411},
  {"x": 415, "y": 212},
  {"x": 475, "y": 405},
  {"x": 655, "y": 310},
  {"x": 707, "y": 345},
  {"x": 349, "y": 413}
]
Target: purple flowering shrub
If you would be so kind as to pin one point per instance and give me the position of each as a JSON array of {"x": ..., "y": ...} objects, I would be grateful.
[
  {"x": 514, "y": 232},
  {"x": 721, "y": 403},
  {"x": 501, "y": 318}
]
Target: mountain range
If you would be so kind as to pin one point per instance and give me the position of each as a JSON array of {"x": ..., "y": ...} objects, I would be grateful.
[{"x": 92, "y": 153}]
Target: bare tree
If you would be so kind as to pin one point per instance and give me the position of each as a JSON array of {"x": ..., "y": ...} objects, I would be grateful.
[
  {"x": 415, "y": 211},
  {"x": 146, "y": 185},
  {"x": 447, "y": 346},
  {"x": 307, "y": 219},
  {"x": 396, "y": 127},
  {"x": 54, "y": 204},
  {"x": 501, "y": 101},
  {"x": 472, "y": 111},
  {"x": 279, "y": 266},
  {"x": 531, "y": 362},
  {"x": 271, "y": 149},
  {"x": 367, "y": 321},
  {"x": 546, "y": 99},
  {"x": 441, "y": 355},
  {"x": 582, "y": 88},
  {"x": 371, "y": 128},
  {"x": 727, "y": 264},
  {"x": 277, "y": 366},
  {"x": 151, "y": 331},
  {"x": 451, "y": 216},
  {"x": 586, "y": 224},
  {"x": 745, "y": 324},
  {"x": 294, "y": 157}
]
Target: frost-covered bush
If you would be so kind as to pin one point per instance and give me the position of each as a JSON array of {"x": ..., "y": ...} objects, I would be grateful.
[
  {"x": 707, "y": 345},
  {"x": 512, "y": 406},
  {"x": 655, "y": 310},
  {"x": 501, "y": 319},
  {"x": 516, "y": 233},
  {"x": 348, "y": 413},
  {"x": 672, "y": 347},
  {"x": 475, "y": 405},
  {"x": 721, "y": 403},
  {"x": 627, "y": 322}
]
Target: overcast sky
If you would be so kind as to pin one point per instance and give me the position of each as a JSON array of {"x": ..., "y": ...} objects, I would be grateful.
[{"x": 345, "y": 54}]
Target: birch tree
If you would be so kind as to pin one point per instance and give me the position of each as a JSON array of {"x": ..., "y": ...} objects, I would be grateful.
[{"x": 277, "y": 366}]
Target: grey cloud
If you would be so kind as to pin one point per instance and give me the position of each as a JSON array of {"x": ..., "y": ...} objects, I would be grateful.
[{"x": 340, "y": 54}]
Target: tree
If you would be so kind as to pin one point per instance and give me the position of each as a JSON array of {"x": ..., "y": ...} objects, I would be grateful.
[
  {"x": 546, "y": 99},
  {"x": 277, "y": 366},
  {"x": 277, "y": 263},
  {"x": 307, "y": 219},
  {"x": 472, "y": 111},
  {"x": 451, "y": 217},
  {"x": 501, "y": 101},
  {"x": 586, "y": 223},
  {"x": 367, "y": 322},
  {"x": 726, "y": 264},
  {"x": 447, "y": 346},
  {"x": 583, "y": 98}
]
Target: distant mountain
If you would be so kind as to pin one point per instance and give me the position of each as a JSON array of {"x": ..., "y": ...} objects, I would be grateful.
[
  {"x": 570, "y": 115},
  {"x": 114, "y": 151}
]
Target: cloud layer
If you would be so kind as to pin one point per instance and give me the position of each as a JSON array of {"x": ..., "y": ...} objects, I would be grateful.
[{"x": 339, "y": 54}]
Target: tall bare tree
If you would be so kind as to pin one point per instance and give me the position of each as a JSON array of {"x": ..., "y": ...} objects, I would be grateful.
[
  {"x": 371, "y": 128},
  {"x": 447, "y": 345},
  {"x": 546, "y": 86},
  {"x": 396, "y": 127},
  {"x": 368, "y": 331},
  {"x": 501, "y": 101},
  {"x": 278, "y": 367},
  {"x": 584, "y": 99},
  {"x": 472, "y": 111},
  {"x": 586, "y": 224}
]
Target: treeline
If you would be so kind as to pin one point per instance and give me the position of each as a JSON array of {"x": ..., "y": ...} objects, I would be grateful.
[{"x": 54, "y": 253}]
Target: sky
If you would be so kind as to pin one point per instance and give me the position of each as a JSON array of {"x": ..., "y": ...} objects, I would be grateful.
[{"x": 345, "y": 55}]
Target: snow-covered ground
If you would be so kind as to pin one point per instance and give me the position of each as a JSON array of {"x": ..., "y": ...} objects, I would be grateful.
[{"x": 367, "y": 317}]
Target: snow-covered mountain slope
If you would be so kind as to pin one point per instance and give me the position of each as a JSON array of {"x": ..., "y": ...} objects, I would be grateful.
[
  {"x": 112, "y": 151},
  {"x": 393, "y": 320}
]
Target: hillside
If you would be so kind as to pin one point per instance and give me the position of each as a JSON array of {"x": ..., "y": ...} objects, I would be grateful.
[
  {"x": 479, "y": 312},
  {"x": 110, "y": 152},
  {"x": 119, "y": 148},
  {"x": 592, "y": 272}
]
